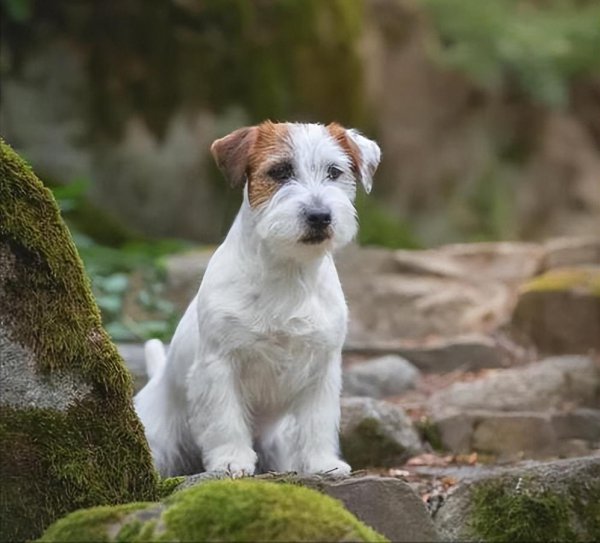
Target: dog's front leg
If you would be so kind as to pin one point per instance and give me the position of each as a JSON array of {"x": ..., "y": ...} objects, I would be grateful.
[
  {"x": 218, "y": 420},
  {"x": 315, "y": 445}
]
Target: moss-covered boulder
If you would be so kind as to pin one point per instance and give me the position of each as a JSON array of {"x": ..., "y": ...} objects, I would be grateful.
[
  {"x": 555, "y": 501},
  {"x": 559, "y": 311},
  {"x": 69, "y": 437},
  {"x": 375, "y": 433},
  {"x": 226, "y": 510}
]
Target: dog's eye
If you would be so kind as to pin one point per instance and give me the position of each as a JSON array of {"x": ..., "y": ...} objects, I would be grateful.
[
  {"x": 281, "y": 172},
  {"x": 333, "y": 172}
]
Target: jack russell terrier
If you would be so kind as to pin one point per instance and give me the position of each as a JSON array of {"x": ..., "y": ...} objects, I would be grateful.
[{"x": 253, "y": 373}]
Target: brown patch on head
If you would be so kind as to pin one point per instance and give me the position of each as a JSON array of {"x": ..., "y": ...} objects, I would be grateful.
[
  {"x": 271, "y": 146},
  {"x": 338, "y": 133}
]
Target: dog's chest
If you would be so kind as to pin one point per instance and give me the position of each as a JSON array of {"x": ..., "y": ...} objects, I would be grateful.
[{"x": 286, "y": 353}]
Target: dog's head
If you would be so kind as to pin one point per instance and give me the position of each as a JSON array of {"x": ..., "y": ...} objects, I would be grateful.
[{"x": 300, "y": 181}]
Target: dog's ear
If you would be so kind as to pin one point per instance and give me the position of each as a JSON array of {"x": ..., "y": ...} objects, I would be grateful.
[
  {"x": 232, "y": 152},
  {"x": 370, "y": 155}
]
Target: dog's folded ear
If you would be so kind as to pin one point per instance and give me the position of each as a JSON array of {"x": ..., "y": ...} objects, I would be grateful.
[
  {"x": 232, "y": 152},
  {"x": 370, "y": 155}
]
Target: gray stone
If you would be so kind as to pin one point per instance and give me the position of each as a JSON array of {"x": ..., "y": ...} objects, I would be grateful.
[
  {"x": 546, "y": 501},
  {"x": 388, "y": 505},
  {"x": 456, "y": 431},
  {"x": 578, "y": 424},
  {"x": 376, "y": 433},
  {"x": 510, "y": 435},
  {"x": 550, "y": 383},
  {"x": 386, "y": 376},
  {"x": 515, "y": 434},
  {"x": 23, "y": 386},
  {"x": 467, "y": 353}
]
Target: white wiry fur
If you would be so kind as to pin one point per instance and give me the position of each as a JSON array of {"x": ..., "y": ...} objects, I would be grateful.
[{"x": 253, "y": 371}]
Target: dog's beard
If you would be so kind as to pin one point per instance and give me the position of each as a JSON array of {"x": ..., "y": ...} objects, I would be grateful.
[{"x": 282, "y": 226}]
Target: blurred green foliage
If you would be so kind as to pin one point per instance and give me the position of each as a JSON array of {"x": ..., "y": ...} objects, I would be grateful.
[
  {"x": 111, "y": 268},
  {"x": 539, "y": 44},
  {"x": 19, "y": 11},
  {"x": 378, "y": 226}
]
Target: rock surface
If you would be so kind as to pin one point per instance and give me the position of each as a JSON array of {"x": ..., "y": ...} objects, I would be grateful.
[
  {"x": 220, "y": 510},
  {"x": 569, "y": 252},
  {"x": 386, "y": 376},
  {"x": 376, "y": 433},
  {"x": 540, "y": 410},
  {"x": 69, "y": 437},
  {"x": 554, "y": 501},
  {"x": 560, "y": 310},
  {"x": 551, "y": 383}
]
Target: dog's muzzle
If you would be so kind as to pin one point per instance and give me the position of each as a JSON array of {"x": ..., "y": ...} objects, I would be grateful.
[{"x": 318, "y": 222}]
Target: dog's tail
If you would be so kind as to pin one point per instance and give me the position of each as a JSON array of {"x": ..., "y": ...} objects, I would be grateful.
[{"x": 156, "y": 358}]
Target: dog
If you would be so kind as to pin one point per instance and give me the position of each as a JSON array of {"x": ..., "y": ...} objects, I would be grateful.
[{"x": 253, "y": 374}]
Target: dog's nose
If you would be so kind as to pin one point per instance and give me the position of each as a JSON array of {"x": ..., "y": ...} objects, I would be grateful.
[{"x": 318, "y": 218}]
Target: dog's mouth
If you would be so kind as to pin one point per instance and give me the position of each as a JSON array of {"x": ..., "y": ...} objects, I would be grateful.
[{"x": 316, "y": 236}]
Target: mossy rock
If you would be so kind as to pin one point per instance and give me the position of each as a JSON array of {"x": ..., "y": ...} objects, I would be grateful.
[
  {"x": 376, "y": 434},
  {"x": 559, "y": 311},
  {"x": 556, "y": 501},
  {"x": 225, "y": 510},
  {"x": 69, "y": 436}
]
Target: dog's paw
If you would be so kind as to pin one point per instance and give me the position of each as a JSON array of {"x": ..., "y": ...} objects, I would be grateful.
[
  {"x": 232, "y": 464},
  {"x": 329, "y": 466}
]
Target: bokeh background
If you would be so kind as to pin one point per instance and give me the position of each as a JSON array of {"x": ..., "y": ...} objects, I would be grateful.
[{"x": 487, "y": 111}]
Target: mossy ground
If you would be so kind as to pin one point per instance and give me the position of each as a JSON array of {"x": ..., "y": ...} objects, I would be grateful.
[
  {"x": 518, "y": 509},
  {"x": 94, "y": 453},
  {"x": 223, "y": 510}
]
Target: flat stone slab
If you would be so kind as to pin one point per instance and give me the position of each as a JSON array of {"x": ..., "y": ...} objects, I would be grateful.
[{"x": 513, "y": 434}]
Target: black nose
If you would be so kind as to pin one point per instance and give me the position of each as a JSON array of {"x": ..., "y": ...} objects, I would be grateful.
[{"x": 318, "y": 218}]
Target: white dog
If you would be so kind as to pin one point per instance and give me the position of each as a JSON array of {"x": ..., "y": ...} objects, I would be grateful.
[{"x": 253, "y": 371}]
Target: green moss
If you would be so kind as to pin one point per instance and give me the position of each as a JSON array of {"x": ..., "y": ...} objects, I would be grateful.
[
  {"x": 95, "y": 452},
  {"x": 503, "y": 512},
  {"x": 90, "y": 524},
  {"x": 566, "y": 279},
  {"x": 586, "y": 504},
  {"x": 430, "y": 433},
  {"x": 167, "y": 486},
  {"x": 224, "y": 510},
  {"x": 367, "y": 446}
]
